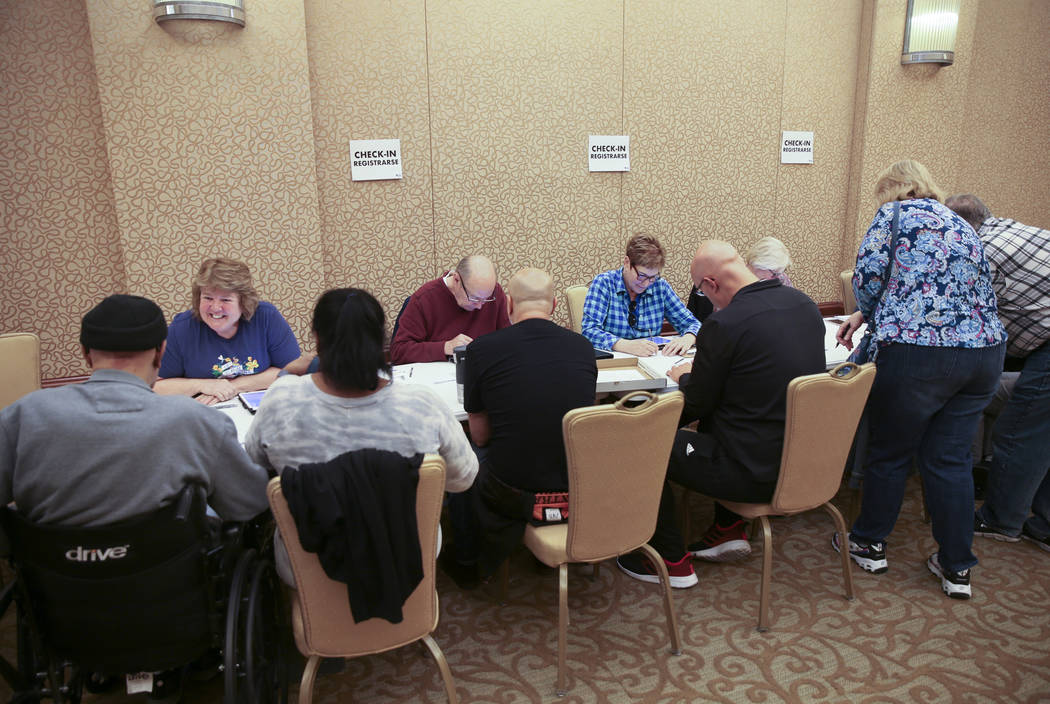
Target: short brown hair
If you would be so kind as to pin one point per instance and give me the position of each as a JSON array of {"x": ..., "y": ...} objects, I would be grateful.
[
  {"x": 906, "y": 180},
  {"x": 230, "y": 275},
  {"x": 645, "y": 250}
]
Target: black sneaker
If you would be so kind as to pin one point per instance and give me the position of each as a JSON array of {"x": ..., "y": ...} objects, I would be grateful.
[
  {"x": 955, "y": 584},
  {"x": 1044, "y": 543},
  {"x": 983, "y": 529},
  {"x": 870, "y": 556}
]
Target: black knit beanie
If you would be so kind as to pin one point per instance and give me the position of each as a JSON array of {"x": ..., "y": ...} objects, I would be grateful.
[{"x": 123, "y": 323}]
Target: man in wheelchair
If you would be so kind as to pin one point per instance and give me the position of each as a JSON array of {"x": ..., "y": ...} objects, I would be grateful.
[{"x": 116, "y": 560}]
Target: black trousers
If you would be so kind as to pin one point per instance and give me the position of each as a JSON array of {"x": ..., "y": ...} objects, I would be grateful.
[{"x": 698, "y": 463}]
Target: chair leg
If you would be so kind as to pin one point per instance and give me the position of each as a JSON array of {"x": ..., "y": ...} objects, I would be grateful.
[
  {"x": 442, "y": 663},
  {"x": 672, "y": 622},
  {"x": 767, "y": 574},
  {"x": 563, "y": 625},
  {"x": 840, "y": 526},
  {"x": 306, "y": 685}
]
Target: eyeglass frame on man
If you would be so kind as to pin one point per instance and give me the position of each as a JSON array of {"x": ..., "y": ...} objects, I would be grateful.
[{"x": 470, "y": 298}]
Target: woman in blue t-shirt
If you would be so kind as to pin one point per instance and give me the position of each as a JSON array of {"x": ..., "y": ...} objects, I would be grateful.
[{"x": 229, "y": 342}]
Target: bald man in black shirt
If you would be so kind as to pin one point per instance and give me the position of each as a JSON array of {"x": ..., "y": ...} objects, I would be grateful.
[{"x": 760, "y": 336}]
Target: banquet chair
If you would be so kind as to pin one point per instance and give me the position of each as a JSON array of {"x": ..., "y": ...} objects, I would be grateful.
[
  {"x": 823, "y": 411},
  {"x": 617, "y": 457},
  {"x": 322, "y": 623},
  {"x": 574, "y": 298},
  {"x": 19, "y": 366},
  {"x": 849, "y": 301}
]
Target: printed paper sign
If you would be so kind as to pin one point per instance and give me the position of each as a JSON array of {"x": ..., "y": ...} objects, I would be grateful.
[
  {"x": 796, "y": 148},
  {"x": 375, "y": 159},
  {"x": 609, "y": 152}
]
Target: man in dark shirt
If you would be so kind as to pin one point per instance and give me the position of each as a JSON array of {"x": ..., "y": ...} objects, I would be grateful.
[
  {"x": 761, "y": 335},
  {"x": 520, "y": 381}
]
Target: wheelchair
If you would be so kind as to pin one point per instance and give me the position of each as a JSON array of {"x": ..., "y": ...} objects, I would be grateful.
[{"x": 149, "y": 594}]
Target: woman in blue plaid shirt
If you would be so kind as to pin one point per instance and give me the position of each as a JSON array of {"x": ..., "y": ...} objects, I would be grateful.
[{"x": 626, "y": 307}]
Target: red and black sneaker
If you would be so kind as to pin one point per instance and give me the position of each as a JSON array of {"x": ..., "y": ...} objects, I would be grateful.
[
  {"x": 680, "y": 574},
  {"x": 722, "y": 544}
]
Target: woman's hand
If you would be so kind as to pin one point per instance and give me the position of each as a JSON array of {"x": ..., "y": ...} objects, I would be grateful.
[
  {"x": 221, "y": 389},
  {"x": 844, "y": 336}
]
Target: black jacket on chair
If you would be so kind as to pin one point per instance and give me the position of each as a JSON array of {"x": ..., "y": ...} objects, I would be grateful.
[{"x": 358, "y": 513}]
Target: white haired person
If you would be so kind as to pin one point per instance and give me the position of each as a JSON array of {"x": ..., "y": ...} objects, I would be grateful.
[{"x": 768, "y": 258}]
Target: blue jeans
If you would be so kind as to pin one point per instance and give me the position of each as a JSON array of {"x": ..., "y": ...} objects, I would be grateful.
[
  {"x": 1019, "y": 478},
  {"x": 926, "y": 401}
]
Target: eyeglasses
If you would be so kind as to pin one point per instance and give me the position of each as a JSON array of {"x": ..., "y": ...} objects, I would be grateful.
[
  {"x": 632, "y": 319},
  {"x": 474, "y": 299},
  {"x": 645, "y": 278}
]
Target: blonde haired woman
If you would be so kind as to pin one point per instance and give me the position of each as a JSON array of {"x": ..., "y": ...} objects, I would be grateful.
[
  {"x": 939, "y": 348},
  {"x": 228, "y": 342}
]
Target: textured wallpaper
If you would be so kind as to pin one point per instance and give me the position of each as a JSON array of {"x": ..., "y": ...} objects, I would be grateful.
[
  {"x": 59, "y": 247},
  {"x": 1003, "y": 153},
  {"x": 516, "y": 88},
  {"x": 914, "y": 111},
  {"x": 211, "y": 148},
  {"x": 133, "y": 151},
  {"x": 368, "y": 80}
]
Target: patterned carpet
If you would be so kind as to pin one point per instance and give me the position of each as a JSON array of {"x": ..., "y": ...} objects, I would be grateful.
[{"x": 901, "y": 640}]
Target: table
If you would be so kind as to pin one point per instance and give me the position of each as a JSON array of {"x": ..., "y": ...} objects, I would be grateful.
[{"x": 440, "y": 377}]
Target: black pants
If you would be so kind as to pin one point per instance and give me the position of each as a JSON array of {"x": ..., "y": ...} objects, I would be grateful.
[
  {"x": 698, "y": 463},
  {"x": 498, "y": 515}
]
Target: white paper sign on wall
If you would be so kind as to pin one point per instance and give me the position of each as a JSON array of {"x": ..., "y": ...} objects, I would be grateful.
[
  {"x": 375, "y": 159},
  {"x": 796, "y": 148},
  {"x": 609, "y": 152}
]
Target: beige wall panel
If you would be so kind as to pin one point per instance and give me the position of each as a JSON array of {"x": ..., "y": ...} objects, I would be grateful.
[
  {"x": 702, "y": 95},
  {"x": 515, "y": 89},
  {"x": 210, "y": 141},
  {"x": 1003, "y": 156},
  {"x": 59, "y": 252},
  {"x": 818, "y": 95},
  {"x": 368, "y": 78},
  {"x": 914, "y": 111}
]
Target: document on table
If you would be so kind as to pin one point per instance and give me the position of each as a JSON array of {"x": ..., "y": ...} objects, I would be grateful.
[{"x": 439, "y": 377}]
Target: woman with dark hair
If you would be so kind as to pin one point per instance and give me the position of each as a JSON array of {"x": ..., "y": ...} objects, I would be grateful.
[{"x": 351, "y": 403}]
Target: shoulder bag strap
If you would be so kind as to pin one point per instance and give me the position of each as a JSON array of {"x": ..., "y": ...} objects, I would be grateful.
[{"x": 894, "y": 233}]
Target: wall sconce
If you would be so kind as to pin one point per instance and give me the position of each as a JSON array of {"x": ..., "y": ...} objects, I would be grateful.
[
  {"x": 221, "y": 10},
  {"x": 929, "y": 32}
]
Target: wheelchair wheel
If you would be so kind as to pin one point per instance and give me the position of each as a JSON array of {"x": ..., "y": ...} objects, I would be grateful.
[
  {"x": 264, "y": 665},
  {"x": 233, "y": 648}
]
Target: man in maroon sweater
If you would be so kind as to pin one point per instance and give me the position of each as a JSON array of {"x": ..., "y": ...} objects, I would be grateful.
[{"x": 450, "y": 311}]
